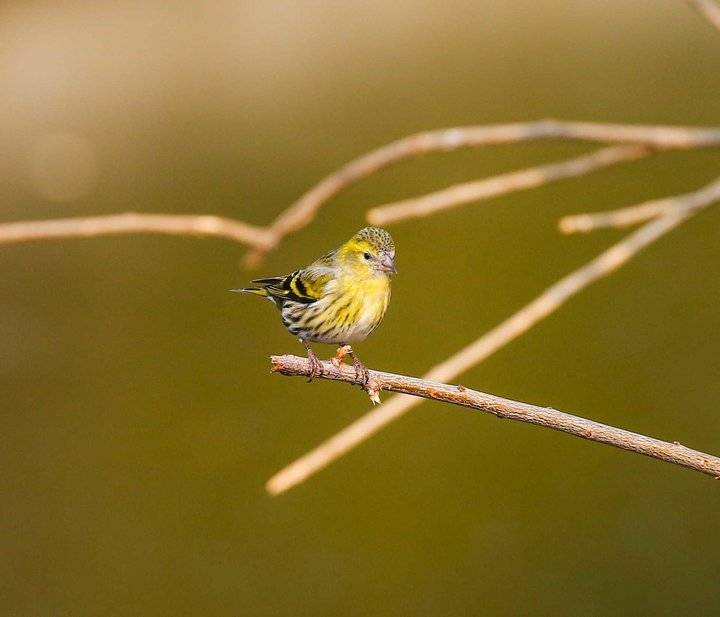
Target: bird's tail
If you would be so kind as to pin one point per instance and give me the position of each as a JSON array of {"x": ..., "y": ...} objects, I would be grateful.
[{"x": 258, "y": 291}]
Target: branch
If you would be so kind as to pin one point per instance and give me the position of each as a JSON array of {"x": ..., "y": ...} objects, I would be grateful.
[
  {"x": 708, "y": 9},
  {"x": 625, "y": 217},
  {"x": 261, "y": 240},
  {"x": 512, "y": 410},
  {"x": 134, "y": 222},
  {"x": 541, "y": 307},
  {"x": 304, "y": 210},
  {"x": 495, "y": 186}
]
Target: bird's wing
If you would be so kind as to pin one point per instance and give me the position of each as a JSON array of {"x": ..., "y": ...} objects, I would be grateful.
[{"x": 306, "y": 285}]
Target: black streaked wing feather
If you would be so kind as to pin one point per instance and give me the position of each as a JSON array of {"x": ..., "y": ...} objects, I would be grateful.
[
  {"x": 273, "y": 280},
  {"x": 304, "y": 286}
]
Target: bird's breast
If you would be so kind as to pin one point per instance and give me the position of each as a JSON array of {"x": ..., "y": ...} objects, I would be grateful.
[
  {"x": 367, "y": 306},
  {"x": 347, "y": 313}
]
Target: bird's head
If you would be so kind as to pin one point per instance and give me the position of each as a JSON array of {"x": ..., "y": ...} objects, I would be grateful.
[{"x": 370, "y": 251}]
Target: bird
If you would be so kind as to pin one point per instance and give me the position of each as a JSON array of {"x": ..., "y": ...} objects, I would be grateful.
[{"x": 338, "y": 299}]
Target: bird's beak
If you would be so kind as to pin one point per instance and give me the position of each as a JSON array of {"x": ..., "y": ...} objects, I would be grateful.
[{"x": 387, "y": 264}]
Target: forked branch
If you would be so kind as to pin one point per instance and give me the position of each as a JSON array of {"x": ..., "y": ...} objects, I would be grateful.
[
  {"x": 305, "y": 209},
  {"x": 631, "y": 142},
  {"x": 671, "y": 452},
  {"x": 633, "y": 215},
  {"x": 626, "y": 143},
  {"x": 675, "y": 211}
]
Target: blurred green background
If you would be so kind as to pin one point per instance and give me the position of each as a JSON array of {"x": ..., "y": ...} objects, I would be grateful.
[{"x": 139, "y": 418}]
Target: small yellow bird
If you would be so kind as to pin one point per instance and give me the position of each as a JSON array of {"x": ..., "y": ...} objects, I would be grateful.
[{"x": 338, "y": 299}]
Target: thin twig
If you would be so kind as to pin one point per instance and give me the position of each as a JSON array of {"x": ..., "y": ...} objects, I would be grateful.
[
  {"x": 542, "y": 306},
  {"x": 633, "y": 215},
  {"x": 304, "y": 210},
  {"x": 503, "y": 184},
  {"x": 708, "y": 9},
  {"x": 512, "y": 410},
  {"x": 134, "y": 222}
]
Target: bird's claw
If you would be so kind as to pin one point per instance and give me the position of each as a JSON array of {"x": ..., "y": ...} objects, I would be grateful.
[
  {"x": 362, "y": 374},
  {"x": 362, "y": 377},
  {"x": 315, "y": 366}
]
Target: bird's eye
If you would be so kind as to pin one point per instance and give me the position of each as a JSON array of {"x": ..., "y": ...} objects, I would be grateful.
[{"x": 367, "y": 256}]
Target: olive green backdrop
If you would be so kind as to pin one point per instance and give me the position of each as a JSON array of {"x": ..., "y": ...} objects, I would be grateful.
[{"x": 139, "y": 420}]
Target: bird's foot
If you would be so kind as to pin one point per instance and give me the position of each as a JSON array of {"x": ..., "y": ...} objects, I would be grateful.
[
  {"x": 339, "y": 357},
  {"x": 315, "y": 365},
  {"x": 362, "y": 375}
]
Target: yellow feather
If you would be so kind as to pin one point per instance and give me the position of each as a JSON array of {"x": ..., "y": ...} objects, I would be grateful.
[{"x": 341, "y": 297}]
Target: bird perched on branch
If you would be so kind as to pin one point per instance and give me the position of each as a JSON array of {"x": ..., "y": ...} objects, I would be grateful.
[{"x": 338, "y": 299}]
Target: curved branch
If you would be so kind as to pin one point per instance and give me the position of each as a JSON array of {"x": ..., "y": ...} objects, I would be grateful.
[
  {"x": 304, "y": 210},
  {"x": 135, "y": 222},
  {"x": 503, "y": 184},
  {"x": 505, "y": 408}
]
